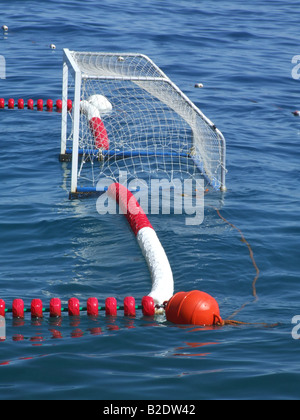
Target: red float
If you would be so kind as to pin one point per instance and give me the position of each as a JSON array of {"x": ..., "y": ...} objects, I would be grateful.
[
  {"x": 92, "y": 306},
  {"x": 55, "y": 307},
  {"x": 129, "y": 306},
  {"x": 2, "y": 307},
  {"x": 40, "y": 105},
  {"x": 20, "y": 103},
  {"x": 11, "y": 103},
  {"x": 36, "y": 308},
  {"x": 193, "y": 308},
  {"x": 18, "y": 308},
  {"x": 148, "y": 306},
  {"x": 111, "y": 306},
  {"x": 49, "y": 105},
  {"x": 69, "y": 104},
  {"x": 59, "y": 105},
  {"x": 30, "y": 104},
  {"x": 73, "y": 307}
]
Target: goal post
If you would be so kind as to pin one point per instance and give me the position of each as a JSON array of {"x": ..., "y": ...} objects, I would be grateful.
[
  {"x": 70, "y": 66},
  {"x": 128, "y": 115}
]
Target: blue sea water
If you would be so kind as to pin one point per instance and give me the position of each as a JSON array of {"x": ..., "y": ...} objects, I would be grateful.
[{"x": 55, "y": 247}]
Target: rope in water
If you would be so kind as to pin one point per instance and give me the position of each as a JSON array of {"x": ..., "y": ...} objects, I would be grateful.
[
  {"x": 250, "y": 252},
  {"x": 254, "y": 292}
]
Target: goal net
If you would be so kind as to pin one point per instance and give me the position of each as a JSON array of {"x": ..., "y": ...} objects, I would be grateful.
[{"x": 129, "y": 117}]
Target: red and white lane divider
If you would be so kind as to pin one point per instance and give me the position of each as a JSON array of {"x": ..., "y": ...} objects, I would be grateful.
[
  {"x": 191, "y": 308},
  {"x": 74, "y": 308},
  {"x": 39, "y": 105},
  {"x": 156, "y": 258},
  {"x": 92, "y": 109}
]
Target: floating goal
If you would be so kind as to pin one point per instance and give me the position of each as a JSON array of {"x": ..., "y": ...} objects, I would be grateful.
[{"x": 127, "y": 115}]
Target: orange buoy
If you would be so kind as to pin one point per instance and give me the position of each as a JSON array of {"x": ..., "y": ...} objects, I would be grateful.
[{"x": 194, "y": 307}]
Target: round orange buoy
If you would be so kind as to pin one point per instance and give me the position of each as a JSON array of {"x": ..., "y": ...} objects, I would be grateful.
[{"x": 195, "y": 308}]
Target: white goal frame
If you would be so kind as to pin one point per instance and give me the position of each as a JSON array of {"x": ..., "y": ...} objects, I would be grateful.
[{"x": 73, "y": 68}]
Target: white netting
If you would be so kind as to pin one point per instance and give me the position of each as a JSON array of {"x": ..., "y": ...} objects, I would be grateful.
[{"x": 152, "y": 129}]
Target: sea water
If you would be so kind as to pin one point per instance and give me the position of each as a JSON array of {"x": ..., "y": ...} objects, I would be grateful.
[{"x": 242, "y": 53}]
